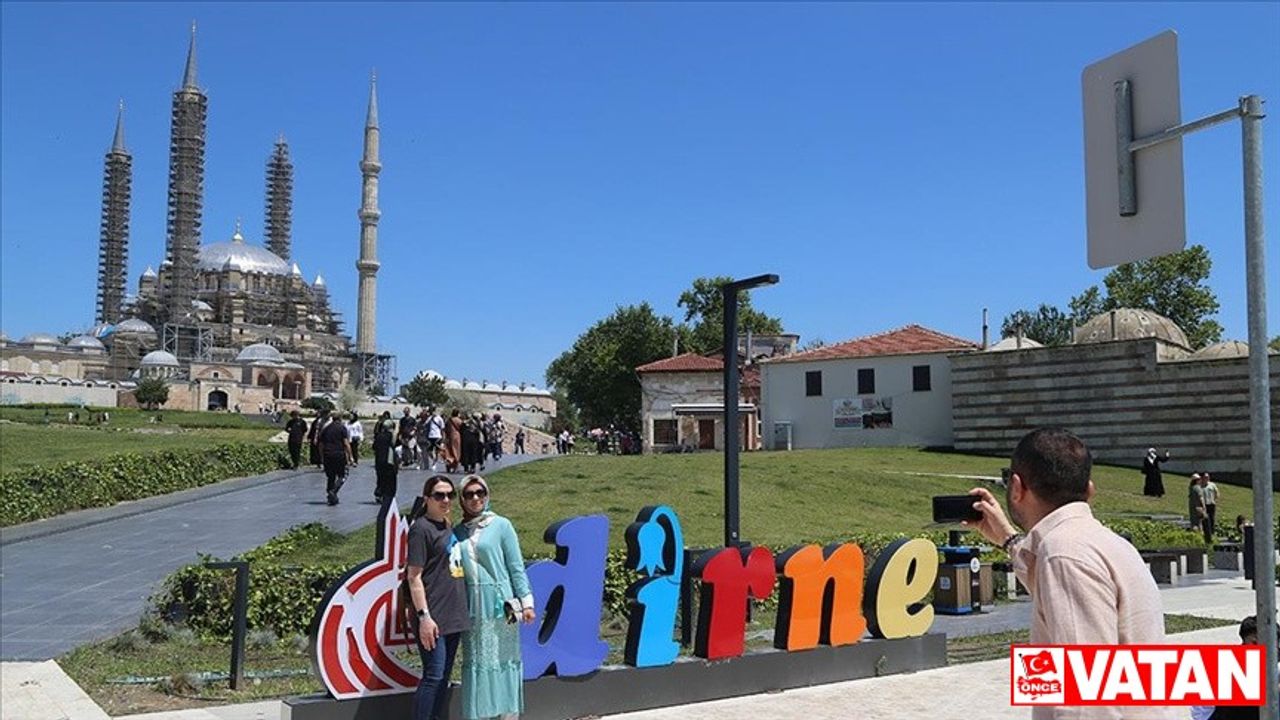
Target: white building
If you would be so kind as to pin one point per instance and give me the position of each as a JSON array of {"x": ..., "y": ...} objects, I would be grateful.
[{"x": 889, "y": 389}]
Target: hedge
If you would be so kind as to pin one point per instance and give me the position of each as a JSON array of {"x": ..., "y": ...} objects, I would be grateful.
[
  {"x": 35, "y": 493},
  {"x": 283, "y": 598}
]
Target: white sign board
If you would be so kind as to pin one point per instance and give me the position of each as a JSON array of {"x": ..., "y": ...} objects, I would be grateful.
[{"x": 1159, "y": 227}]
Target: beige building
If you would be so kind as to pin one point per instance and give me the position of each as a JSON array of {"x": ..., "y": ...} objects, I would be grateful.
[
  {"x": 258, "y": 380},
  {"x": 81, "y": 358},
  {"x": 682, "y": 403},
  {"x": 888, "y": 389},
  {"x": 1130, "y": 382}
]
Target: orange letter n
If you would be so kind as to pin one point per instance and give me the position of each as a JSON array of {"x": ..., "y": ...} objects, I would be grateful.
[{"x": 821, "y": 598}]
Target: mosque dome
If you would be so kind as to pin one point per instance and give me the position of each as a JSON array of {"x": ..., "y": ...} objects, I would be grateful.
[
  {"x": 149, "y": 273},
  {"x": 39, "y": 339},
  {"x": 236, "y": 254},
  {"x": 87, "y": 342},
  {"x": 1011, "y": 343},
  {"x": 134, "y": 325},
  {"x": 1130, "y": 324},
  {"x": 1224, "y": 350},
  {"x": 201, "y": 306},
  {"x": 430, "y": 374},
  {"x": 260, "y": 352},
  {"x": 3, "y": 336},
  {"x": 452, "y": 385},
  {"x": 492, "y": 387},
  {"x": 159, "y": 358},
  {"x": 472, "y": 385}
]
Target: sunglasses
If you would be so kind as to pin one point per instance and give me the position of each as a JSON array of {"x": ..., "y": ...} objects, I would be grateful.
[
  {"x": 442, "y": 496},
  {"x": 473, "y": 494}
]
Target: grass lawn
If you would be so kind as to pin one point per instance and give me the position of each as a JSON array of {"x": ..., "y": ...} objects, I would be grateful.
[
  {"x": 978, "y": 648},
  {"x": 26, "y": 441},
  {"x": 787, "y": 497}
]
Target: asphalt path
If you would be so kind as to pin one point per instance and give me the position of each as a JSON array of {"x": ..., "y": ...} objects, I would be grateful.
[{"x": 87, "y": 576}]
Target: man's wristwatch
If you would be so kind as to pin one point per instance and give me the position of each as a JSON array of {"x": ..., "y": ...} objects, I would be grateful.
[{"x": 423, "y": 614}]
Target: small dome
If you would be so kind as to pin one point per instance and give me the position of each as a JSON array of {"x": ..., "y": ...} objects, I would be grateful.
[
  {"x": 429, "y": 374},
  {"x": 201, "y": 306},
  {"x": 39, "y": 339},
  {"x": 472, "y": 385},
  {"x": 87, "y": 342},
  {"x": 295, "y": 270},
  {"x": 3, "y": 336},
  {"x": 148, "y": 273},
  {"x": 260, "y": 352},
  {"x": 1224, "y": 350},
  {"x": 1011, "y": 343},
  {"x": 452, "y": 385},
  {"x": 160, "y": 358},
  {"x": 134, "y": 325},
  {"x": 1130, "y": 324},
  {"x": 492, "y": 387}
]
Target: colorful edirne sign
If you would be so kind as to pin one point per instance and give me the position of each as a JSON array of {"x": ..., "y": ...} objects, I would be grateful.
[
  {"x": 822, "y": 601},
  {"x": 1136, "y": 675}
]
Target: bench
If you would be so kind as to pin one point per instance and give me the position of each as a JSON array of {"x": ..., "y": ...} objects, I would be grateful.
[{"x": 1164, "y": 566}]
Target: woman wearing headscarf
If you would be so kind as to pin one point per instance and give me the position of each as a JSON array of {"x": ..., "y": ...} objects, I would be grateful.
[
  {"x": 439, "y": 597},
  {"x": 452, "y": 450},
  {"x": 1154, "y": 485},
  {"x": 472, "y": 446},
  {"x": 499, "y": 595},
  {"x": 385, "y": 466}
]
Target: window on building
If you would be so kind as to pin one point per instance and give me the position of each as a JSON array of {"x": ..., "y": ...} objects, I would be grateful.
[
  {"x": 921, "y": 380},
  {"x": 866, "y": 381},
  {"x": 664, "y": 432},
  {"x": 813, "y": 383},
  {"x": 215, "y": 374}
]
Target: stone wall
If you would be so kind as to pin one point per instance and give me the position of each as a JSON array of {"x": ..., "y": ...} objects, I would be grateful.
[{"x": 1121, "y": 397}]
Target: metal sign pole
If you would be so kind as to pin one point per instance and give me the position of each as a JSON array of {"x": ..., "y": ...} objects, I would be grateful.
[{"x": 1259, "y": 395}]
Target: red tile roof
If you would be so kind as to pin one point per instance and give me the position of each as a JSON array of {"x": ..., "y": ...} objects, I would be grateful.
[
  {"x": 688, "y": 362},
  {"x": 909, "y": 340}
]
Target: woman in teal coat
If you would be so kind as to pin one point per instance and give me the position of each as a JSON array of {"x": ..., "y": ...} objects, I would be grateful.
[{"x": 498, "y": 595}]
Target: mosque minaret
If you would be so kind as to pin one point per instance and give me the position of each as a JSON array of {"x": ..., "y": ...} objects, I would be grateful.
[
  {"x": 367, "y": 265},
  {"x": 113, "y": 248}
]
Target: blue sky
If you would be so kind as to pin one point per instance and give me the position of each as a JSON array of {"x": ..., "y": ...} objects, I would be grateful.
[{"x": 544, "y": 163}]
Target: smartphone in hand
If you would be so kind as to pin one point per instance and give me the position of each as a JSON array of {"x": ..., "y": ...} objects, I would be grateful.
[{"x": 955, "y": 508}]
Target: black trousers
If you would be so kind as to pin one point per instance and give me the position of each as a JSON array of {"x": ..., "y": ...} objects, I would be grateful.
[
  {"x": 335, "y": 472},
  {"x": 355, "y": 449},
  {"x": 386, "y": 473},
  {"x": 295, "y": 453}
]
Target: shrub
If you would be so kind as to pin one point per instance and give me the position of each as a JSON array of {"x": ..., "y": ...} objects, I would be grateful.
[
  {"x": 41, "y": 492},
  {"x": 1153, "y": 535}
]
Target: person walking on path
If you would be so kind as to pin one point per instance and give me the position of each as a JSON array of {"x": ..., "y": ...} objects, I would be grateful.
[
  {"x": 313, "y": 437},
  {"x": 297, "y": 430},
  {"x": 472, "y": 444},
  {"x": 1196, "y": 513},
  {"x": 1154, "y": 484},
  {"x": 519, "y": 445},
  {"x": 499, "y": 595},
  {"x": 1088, "y": 585},
  {"x": 356, "y": 432},
  {"x": 1210, "y": 504},
  {"x": 335, "y": 452},
  {"x": 453, "y": 441},
  {"x": 439, "y": 596},
  {"x": 495, "y": 436},
  {"x": 385, "y": 467},
  {"x": 408, "y": 443},
  {"x": 435, "y": 437}
]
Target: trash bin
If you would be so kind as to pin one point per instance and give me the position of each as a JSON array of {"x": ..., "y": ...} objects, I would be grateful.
[{"x": 959, "y": 587}]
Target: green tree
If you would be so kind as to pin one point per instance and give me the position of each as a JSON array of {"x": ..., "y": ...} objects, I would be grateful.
[
  {"x": 151, "y": 392},
  {"x": 425, "y": 391},
  {"x": 1173, "y": 286},
  {"x": 567, "y": 415},
  {"x": 350, "y": 397},
  {"x": 703, "y": 303},
  {"x": 1275, "y": 343},
  {"x": 1047, "y": 325},
  {"x": 598, "y": 374},
  {"x": 317, "y": 403},
  {"x": 1086, "y": 305}
]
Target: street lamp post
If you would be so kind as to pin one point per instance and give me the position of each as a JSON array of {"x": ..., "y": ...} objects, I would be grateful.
[{"x": 730, "y": 292}]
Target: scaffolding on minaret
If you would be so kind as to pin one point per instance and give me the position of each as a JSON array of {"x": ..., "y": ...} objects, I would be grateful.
[
  {"x": 186, "y": 191},
  {"x": 113, "y": 248},
  {"x": 279, "y": 223}
]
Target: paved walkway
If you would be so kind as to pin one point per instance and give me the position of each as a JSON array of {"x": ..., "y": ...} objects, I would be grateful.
[{"x": 86, "y": 576}]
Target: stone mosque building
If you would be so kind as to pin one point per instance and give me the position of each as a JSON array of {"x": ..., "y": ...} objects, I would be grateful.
[{"x": 228, "y": 323}]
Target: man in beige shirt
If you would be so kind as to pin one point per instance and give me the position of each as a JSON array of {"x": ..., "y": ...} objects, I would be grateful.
[{"x": 1088, "y": 585}]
